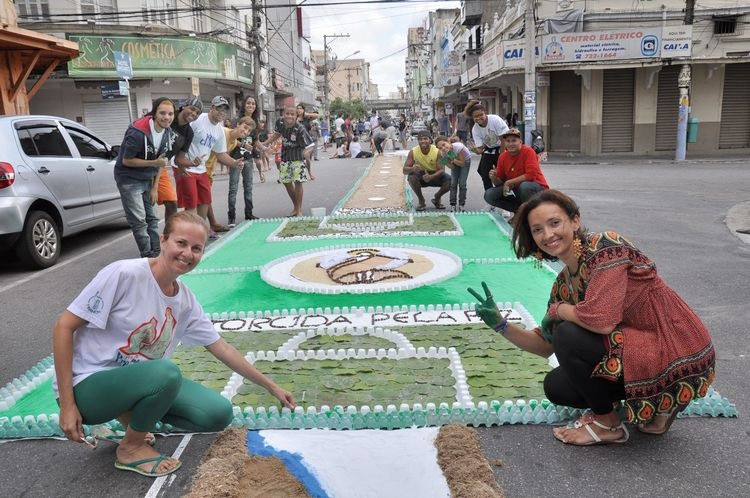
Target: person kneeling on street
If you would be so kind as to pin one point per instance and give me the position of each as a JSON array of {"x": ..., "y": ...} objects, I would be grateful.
[
  {"x": 620, "y": 334},
  {"x": 111, "y": 349},
  {"x": 355, "y": 150},
  {"x": 517, "y": 176},
  {"x": 424, "y": 170}
]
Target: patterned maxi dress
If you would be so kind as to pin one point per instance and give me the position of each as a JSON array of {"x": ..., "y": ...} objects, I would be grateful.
[{"x": 659, "y": 348}]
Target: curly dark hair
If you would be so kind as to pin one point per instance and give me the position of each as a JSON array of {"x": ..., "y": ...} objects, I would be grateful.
[
  {"x": 523, "y": 242},
  {"x": 473, "y": 105}
]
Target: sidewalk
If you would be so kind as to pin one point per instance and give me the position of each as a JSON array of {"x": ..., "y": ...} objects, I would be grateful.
[{"x": 571, "y": 158}]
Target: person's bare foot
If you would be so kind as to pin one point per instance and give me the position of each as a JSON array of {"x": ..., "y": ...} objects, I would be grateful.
[{"x": 127, "y": 454}]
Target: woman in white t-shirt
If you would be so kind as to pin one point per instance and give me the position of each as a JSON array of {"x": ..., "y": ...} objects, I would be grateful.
[
  {"x": 456, "y": 156},
  {"x": 112, "y": 343},
  {"x": 487, "y": 130}
]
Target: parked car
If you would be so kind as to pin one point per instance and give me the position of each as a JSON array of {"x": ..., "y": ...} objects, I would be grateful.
[
  {"x": 417, "y": 126},
  {"x": 56, "y": 179}
]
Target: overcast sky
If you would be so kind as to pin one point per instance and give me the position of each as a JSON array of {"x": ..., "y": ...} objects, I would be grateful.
[{"x": 375, "y": 30}]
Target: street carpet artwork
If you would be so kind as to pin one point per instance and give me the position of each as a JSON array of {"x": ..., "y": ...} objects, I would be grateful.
[{"x": 364, "y": 315}]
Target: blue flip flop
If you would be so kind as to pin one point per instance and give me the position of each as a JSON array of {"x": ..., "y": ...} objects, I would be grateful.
[{"x": 133, "y": 466}]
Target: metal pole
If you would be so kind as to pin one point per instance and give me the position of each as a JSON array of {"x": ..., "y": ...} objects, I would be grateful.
[
  {"x": 325, "y": 71},
  {"x": 349, "y": 82},
  {"x": 325, "y": 79},
  {"x": 682, "y": 117},
  {"x": 683, "y": 82},
  {"x": 529, "y": 97},
  {"x": 257, "y": 83},
  {"x": 130, "y": 106}
]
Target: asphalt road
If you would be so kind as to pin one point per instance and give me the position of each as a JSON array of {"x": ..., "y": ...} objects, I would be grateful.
[{"x": 675, "y": 213}]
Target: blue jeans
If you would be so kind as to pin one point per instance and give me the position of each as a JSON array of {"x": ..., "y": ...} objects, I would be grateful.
[
  {"x": 141, "y": 214},
  {"x": 247, "y": 188},
  {"x": 523, "y": 192},
  {"x": 458, "y": 183}
]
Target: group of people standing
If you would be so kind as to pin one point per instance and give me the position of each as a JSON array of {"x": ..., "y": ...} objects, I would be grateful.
[
  {"x": 191, "y": 143},
  {"x": 509, "y": 169}
]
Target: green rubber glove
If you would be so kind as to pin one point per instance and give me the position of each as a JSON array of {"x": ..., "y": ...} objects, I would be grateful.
[{"x": 486, "y": 307}]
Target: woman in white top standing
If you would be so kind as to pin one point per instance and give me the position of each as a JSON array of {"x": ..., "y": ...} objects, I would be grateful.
[
  {"x": 487, "y": 130},
  {"x": 456, "y": 156},
  {"x": 111, "y": 349}
]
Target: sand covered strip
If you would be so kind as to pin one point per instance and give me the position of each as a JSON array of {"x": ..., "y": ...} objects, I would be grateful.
[
  {"x": 465, "y": 468},
  {"x": 228, "y": 471},
  {"x": 382, "y": 187}
]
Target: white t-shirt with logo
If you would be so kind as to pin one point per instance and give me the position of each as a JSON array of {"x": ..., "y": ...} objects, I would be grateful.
[
  {"x": 207, "y": 137},
  {"x": 489, "y": 135},
  {"x": 130, "y": 320},
  {"x": 354, "y": 149}
]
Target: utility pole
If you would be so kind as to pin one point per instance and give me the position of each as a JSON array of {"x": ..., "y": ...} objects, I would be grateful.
[
  {"x": 325, "y": 72},
  {"x": 529, "y": 96},
  {"x": 683, "y": 81},
  {"x": 257, "y": 83}
]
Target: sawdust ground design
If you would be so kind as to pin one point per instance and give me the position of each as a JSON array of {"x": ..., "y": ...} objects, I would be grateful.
[{"x": 228, "y": 471}]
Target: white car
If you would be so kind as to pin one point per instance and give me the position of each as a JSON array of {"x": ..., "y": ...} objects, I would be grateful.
[{"x": 56, "y": 179}]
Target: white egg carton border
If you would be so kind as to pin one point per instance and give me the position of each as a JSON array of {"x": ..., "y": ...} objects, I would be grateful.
[
  {"x": 292, "y": 284},
  {"x": 370, "y": 229},
  {"x": 405, "y": 350}
]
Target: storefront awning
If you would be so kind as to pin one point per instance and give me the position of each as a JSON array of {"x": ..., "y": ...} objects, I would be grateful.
[{"x": 25, "y": 52}]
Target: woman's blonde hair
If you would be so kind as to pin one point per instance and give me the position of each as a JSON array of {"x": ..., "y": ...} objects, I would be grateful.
[{"x": 186, "y": 217}]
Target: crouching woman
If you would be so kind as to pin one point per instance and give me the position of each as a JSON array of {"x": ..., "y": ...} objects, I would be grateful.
[
  {"x": 112, "y": 343},
  {"x": 617, "y": 330}
]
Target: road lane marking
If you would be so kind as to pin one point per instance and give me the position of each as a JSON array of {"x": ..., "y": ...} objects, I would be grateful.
[
  {"x": 60, "y": 265},
  {"x": 153, "y": 492}
]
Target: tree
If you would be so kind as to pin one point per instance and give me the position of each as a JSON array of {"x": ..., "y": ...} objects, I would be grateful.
[{"x": 355, "y": 108}]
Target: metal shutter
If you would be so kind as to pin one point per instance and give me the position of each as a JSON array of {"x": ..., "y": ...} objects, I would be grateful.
[
  {"x": 108, "y": 119},
  {"x": 734, "y": 132},
  {"x": 565, "y": 112},
  {"x": 617, "y": 110},
  {"x": 667, "y": 108}
]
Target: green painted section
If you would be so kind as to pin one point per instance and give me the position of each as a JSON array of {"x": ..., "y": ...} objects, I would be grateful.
[
  {"x": 39, "y": 400},
  {"x": 246, "y": 291}
]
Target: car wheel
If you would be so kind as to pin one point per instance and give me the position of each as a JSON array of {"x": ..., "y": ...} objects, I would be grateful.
[{"x": 40, "y": 243}]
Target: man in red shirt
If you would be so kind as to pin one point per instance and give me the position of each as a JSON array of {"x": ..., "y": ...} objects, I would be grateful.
[{"x": 517, "y": 176}]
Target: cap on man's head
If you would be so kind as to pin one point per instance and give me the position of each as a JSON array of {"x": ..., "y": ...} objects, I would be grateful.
[
  {"x": 219, "y": 101},
  {"x": 512, "y": 131},
  {"x": 194, "y": 102},
  {"x": 424, "y": 133}
]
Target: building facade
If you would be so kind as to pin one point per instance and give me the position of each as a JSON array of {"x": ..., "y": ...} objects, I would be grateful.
[
  {"x": 175, "y": 51},
  {"x": 608, "y": 78}
]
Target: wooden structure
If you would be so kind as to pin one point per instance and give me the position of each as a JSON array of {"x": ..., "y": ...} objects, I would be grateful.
[{"x": 22, "y": 53}]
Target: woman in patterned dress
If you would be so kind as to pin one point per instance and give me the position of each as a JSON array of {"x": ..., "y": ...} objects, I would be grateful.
[{"x": 617, "y": 330}]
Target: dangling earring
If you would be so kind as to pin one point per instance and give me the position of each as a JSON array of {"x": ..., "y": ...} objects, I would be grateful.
[
  {"x": 538, "y": 259},
  {"x": 577, "y": 248}
]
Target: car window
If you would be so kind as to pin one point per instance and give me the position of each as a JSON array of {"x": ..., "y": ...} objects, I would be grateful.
[
  {"x": 42, "y": 139},
  {"x": 87, "y": 145}
]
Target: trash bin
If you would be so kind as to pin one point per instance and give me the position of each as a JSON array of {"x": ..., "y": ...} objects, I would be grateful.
[
  {"x": 522, "y": 128},
  {"x": 692, "y": 130}
]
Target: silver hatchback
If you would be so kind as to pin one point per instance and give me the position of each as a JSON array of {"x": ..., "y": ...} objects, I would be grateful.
[{"x": 56, "y": 179}]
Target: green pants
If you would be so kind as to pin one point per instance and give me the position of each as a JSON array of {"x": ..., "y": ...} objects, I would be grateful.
[{"x": 152, "y": 391}]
